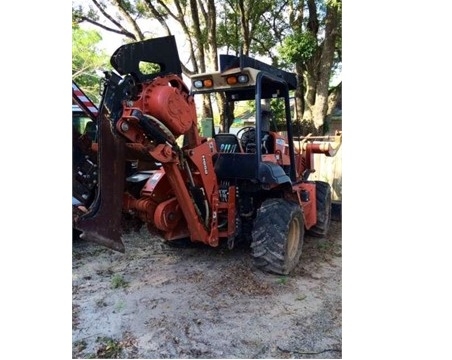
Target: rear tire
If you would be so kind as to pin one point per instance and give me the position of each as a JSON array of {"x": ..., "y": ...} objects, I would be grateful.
[
  {"x": 323, "y": 197},
  {"x": 277, "y": 236}
]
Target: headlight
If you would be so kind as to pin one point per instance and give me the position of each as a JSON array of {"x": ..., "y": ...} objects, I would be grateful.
[
  {"x": 242, "y": 79},
  {"x": 199, "y": 84}
]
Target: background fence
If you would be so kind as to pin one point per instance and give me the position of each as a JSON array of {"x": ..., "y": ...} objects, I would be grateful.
[{"x": 329, "y": 169}]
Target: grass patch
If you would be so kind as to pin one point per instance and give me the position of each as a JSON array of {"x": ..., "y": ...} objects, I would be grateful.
[
  {"x": 120, "y": 306},
  {"x": 108, "y": 349},
  {"x": 117, "y": 281},
  {"x": 77, "y": 348},
  {"x": 324, "y": 245},
  {"x": 75, "y": 312},
  {"x": 282, "y": 280}
]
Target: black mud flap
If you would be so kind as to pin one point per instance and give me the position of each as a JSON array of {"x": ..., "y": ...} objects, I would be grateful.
[{"x": 102, "y": 223}]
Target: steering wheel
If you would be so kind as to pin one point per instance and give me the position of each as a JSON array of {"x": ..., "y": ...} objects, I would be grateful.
[
  {"x": 247, "y": 137},
  {"x": 243, "y": 130}
]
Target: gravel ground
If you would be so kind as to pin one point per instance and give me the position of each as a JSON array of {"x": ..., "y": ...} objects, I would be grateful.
[{"x": 156, "y": 301}]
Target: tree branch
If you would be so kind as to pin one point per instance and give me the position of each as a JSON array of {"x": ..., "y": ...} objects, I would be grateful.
[
  {"x": 116, "y": 23},
  {"x": 186, "y": 70},
  {"x": 313, "y": 21},
  {"x": 160, "y": 17},
  {"x": 129, "y": 19},
  {"x": 120, "y": 32},
  {"x": 168, "y": 10}
]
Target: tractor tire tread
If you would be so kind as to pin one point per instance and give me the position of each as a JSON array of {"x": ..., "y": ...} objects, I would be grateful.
[
  {"x": 270, "y": 234},
  {"x": 323, "y": 202}
]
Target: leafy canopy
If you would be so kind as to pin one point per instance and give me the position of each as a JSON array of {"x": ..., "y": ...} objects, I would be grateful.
[{"x": 87, "y": 61}]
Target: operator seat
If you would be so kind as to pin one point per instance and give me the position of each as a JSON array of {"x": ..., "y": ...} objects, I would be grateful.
[{"x": 267, "y": 145}]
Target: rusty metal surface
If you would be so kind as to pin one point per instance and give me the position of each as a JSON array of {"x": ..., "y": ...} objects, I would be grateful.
[{"x": 102, "y": 223}]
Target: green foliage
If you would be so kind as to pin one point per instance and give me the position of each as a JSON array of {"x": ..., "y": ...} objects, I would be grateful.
[
  {"x": 278, "y": 110},
  {"x": 268, "y": 29},
  {"x": 120, "y": 306},
  {"x": 149, "y": 68},
  {"x": 86, "y": 60},
  {"x": 141, "y": 7},
  {"x": 109, "y": 348},
  {"x": 298, "y": 47},
  {"x": 127, "y": 6},
  {"x": 335, "y": 3},
  {"x": 228, "y": 29},
  {"x": 263, "y": 17},
  {"x": 324, "y": 245},
  {"x": 117, "y": 281},
  {"x": 285, "y": 32},
  {"x": 77, "y": 13},
  {"x": 282, "y": 280}
]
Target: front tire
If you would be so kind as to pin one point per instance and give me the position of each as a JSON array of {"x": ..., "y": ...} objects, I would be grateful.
[{"x": 277, "y": 236}]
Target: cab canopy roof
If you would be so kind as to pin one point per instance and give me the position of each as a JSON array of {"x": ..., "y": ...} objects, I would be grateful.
[{"x": 239, "y": 78}]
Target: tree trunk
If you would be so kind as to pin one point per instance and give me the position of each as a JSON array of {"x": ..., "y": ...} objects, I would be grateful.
[
  {"x": 299, "y": 93},
  {"x": 334, "y": 98},
  {"x": 198, "y": 35},
  {"x": 244, "y": 26},
  {"x": 311, "y": 82},
  {"x": 326, "y": 62},
  {"x": 206, "y": 111},
  {"x": 197, "y": 19}
]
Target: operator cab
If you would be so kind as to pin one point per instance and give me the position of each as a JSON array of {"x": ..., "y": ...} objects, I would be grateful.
[{"x": 256, "y": 151}]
